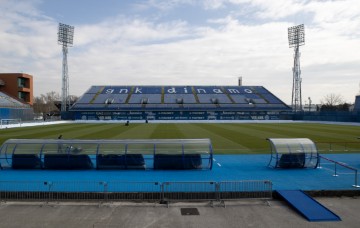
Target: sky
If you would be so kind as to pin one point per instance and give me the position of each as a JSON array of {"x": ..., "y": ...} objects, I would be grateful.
[{"x": 185, "y": 42}]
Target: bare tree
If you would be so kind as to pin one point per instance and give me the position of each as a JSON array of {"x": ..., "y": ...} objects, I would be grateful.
[
  {"x": 45, "y": 102},
  {"x": 73, "y": 99},
  {"x": 334, "y": 102},
  {"x": 332, "y": 99}
]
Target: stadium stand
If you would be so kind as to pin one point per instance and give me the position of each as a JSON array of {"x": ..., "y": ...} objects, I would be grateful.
[
  {"x": 7, "y": 101},
  {"x": 11, "y": 108},
  {"x": 178, "y": 103},
  {"x": 357, "y": 104}
]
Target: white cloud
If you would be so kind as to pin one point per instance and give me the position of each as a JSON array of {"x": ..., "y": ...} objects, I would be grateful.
[{"x": 136, "y": 50}]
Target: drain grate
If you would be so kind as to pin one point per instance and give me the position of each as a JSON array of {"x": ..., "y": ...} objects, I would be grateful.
[{"x": 189, "y": 211}]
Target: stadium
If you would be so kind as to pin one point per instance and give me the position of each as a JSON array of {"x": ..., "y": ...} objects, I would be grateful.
[
  {"x": 171, "y": 144},
  {"x": 151, "y": 155}
]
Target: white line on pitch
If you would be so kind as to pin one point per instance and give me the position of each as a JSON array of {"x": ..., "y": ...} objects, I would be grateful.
[
  {"x": 218, "y": 164},
  {"x": 214, "y": 159}
]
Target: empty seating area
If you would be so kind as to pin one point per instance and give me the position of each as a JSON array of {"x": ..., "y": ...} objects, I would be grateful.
[
  {"x": 145, "y": 99},
  {"x": 139, "y": 154},
  {"x": 179, "y": 99},
  {"x": 7, "y": 101},
  {"x": 111, "y": 102},
  {"x": 214, "y": 98},
  {"x": 124, "y": 95}
]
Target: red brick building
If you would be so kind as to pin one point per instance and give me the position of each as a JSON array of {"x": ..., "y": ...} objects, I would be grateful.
[{"x": 18, "y": 86}]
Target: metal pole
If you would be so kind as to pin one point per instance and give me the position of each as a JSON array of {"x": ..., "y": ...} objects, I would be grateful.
[
  {"x": 356, "y": 180},
  {"x": 65, "y": 81},
  {"x": 335, "y": 174}
]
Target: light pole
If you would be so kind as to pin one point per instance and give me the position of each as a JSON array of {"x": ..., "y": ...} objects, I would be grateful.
[
  {"x": 65, "y": 38},
  {"x": 296, "y": 36}
]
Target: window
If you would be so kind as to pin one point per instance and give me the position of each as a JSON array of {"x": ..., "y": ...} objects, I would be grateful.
[
  {"x": 22, "y": 82},
  {"x": 22, "y": 96}
]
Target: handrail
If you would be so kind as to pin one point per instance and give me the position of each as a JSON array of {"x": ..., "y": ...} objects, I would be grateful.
[
  {"x": 343, "y": 165},
  {"x": 345, "y": 145}
]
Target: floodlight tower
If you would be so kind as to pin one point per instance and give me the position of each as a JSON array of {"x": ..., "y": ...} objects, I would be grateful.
[
  {"x": 296, "y": 35},
  {"x": 65, "y": 38}
]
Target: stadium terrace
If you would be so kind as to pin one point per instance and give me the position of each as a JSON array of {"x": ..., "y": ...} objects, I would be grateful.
[{"x": 178, "y": 103}]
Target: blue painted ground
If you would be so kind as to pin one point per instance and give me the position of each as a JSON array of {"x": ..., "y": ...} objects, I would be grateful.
[{"x": 225, "y": 168}]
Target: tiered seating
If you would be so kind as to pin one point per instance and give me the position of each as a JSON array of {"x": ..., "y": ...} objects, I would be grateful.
[
  {"x": 86, "y": 98},
  {"x": 214, "y": 98},
  {"x": 7, "y": 101},
  {"x": 145, "y": 98},
  {"x": 180, "y": 98}
]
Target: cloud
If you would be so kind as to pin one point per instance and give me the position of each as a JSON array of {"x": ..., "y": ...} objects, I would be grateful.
[{"x": 141, "y": 50}]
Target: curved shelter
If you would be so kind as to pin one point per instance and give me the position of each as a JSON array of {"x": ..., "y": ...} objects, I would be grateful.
[
  {"x": 293, "y": 153},
  {"x": 106, "y": 154}
]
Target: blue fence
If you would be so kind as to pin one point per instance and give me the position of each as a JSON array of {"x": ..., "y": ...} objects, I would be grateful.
[{"x": 17, "y": 113}]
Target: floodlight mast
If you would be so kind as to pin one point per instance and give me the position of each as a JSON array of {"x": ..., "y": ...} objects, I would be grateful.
[
  {"x": 65, "y": 38},
  {"x": 296, "y": 36}
]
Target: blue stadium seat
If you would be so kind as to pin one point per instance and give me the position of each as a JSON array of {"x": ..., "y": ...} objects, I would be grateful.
[
  {"x": 116, "y": 161},
  {"x": 94, "y": 89},
  {"x": 294, "y": 160},
  {"x": 26, "y": 161},
  {"x": 67, "y": 161},
  {"x": 177, "y": 161}
]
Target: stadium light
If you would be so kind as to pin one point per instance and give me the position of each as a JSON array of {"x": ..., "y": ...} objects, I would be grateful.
[
  {"x": 65, "y": 38},
  {"x": 296, "y": 36},
  {"x": 66, "y": 35}
]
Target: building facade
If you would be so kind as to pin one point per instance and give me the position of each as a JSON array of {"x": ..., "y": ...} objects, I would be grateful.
[{"x": 18, "y": 86}]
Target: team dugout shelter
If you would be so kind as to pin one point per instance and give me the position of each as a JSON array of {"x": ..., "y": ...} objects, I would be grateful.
[
  {"x": 59, "y": 154},
  {"x": 178, "y": 103},
  {"x": 290, "y": 153}
]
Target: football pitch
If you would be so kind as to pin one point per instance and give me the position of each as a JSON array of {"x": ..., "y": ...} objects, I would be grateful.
[{"x": 227, "y": 138}]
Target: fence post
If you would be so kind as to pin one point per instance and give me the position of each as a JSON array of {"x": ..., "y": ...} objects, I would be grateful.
[
  {"x": 105, "y": 184},
  {"x": 49, "y": 184},
  {"x": 162, "y": 197},
  {"x": 335, "y": 174},
  {"x": 356, "y": 180},
  {"x": 217, "y": 190}
]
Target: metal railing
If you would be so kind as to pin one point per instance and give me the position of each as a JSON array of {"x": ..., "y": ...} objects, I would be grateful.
[
  {"x": 338, "y": 146},
  {"x": 133, "y": 191},
  {"x": 336, "y": 164}
]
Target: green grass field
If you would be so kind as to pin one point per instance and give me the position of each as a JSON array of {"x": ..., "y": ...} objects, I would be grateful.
[{"x": 227, "y": 138}]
